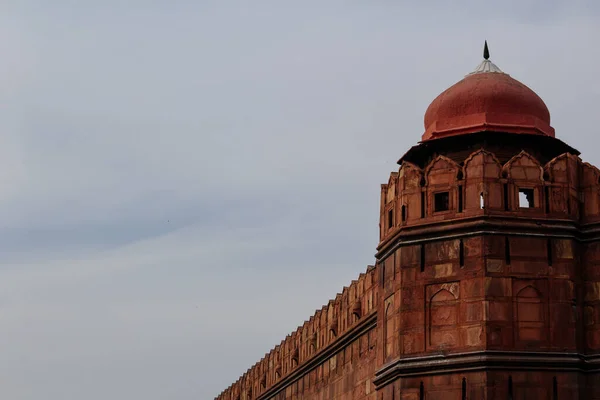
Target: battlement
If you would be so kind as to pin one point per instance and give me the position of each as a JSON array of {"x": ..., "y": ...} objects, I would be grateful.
[
  {"x": 321, "y": 330},
  {"x": 450, "y": 189}
]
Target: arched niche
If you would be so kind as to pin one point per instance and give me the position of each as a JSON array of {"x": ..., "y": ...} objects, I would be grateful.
[
  {"x": 483, "y": 187},
  {"x": 529, "y": 314},
  {"x": 409, "y": 192},
  {"x": 442, "y": 318},
  {"x": 563, "y": 169},
  {"x": 441, "y": 186},
  {"x": 562, "y": 185},
  {"x": 441, "y": 171},
  {"x": 525, "y": 182},
  {"x": 590, "y": 191},
  {"x": 524, "y": 167}
]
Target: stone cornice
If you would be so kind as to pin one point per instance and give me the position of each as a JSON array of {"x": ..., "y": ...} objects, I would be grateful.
[
  {"x": 488, "y": 225},
  {"x": 368, "y": 322},
  {"x": 485, "y": 360}
]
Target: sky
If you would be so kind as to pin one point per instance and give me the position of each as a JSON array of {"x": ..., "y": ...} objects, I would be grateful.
[{"x": 183, "y": 183}]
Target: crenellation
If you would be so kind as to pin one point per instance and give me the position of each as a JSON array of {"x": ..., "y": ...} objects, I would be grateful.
[{"x": 310, "y": 338}]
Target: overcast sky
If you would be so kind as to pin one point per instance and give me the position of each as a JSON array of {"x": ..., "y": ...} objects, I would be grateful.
[{"x": 184, "y": 182}]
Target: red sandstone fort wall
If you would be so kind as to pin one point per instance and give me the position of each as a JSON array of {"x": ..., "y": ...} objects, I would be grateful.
[
  {"x": 331, "y": 354},
  {"x": 526, "y": 279}
]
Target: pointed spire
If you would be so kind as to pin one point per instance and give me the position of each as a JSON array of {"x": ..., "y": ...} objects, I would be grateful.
[{"x": 486, "y": 65}]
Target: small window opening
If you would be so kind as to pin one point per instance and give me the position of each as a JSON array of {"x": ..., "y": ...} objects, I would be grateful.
[
  {"x": 422, "y": 257},
  {"x": 505, "y": 197},
  {"x": 549, "y": 251},
  {"x": 554, "y": 389},
  {"x": 441, "y": 201},
  {"x": 526, "y": 198},
  {"x": 403, "y": 213},
  {"x": 547, "y": 198},
  {"x": 507, "y": 250},
  {"x": 460, "y": 198},
  {"x": 461, "y": 253},
  {"x": 421, "y": 391},
  {"x": 464, "y": 389},
  {"x": 390, "y": 219},
  {"x": 481, "y": 201},
  {"x": 423, "y": 204},
  {"x": 510, "y": 388}
]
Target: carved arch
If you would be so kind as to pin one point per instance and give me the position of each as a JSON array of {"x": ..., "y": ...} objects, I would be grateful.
[
  {"x": 406, "y": 172},
  {"x": 530, "y": 292},
  {"x": 590, "y": 190},
  {"x": 488, "y": 156},
  {"x": 524, "y": 160},
  {"x": 438, "y": 162},
  {"x": 591, "y": 174},
  {"x": 332, "y": 333},
  {"x": 333, "y": 328},
  {"x": 529, "y": 308},
  {"x": 442, "y": 295},
  {"x": 408, "y": 166},
  {"x": 312, "y": 343},
  {"x": 387, "y": 308},
  {"x": 442, "y": 318},
  {"x": 549, "y": 168},
  {"x": 356, "y": 310},
  {"x": 295, "y": 358}
]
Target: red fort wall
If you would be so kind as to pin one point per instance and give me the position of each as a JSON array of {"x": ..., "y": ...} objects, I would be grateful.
[
  {"x": 332, "y": 355},
  {"x": 475, "y": 295}
]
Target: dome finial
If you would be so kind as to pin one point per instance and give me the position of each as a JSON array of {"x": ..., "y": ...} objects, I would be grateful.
[{"x": 486, "y": 51}]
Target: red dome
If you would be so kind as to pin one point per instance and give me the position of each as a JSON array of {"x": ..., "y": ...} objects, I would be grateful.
[{"x": 487, "y": 100}]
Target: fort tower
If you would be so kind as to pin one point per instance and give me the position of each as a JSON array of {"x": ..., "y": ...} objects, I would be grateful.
[{"x": 487, "y": 276}]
